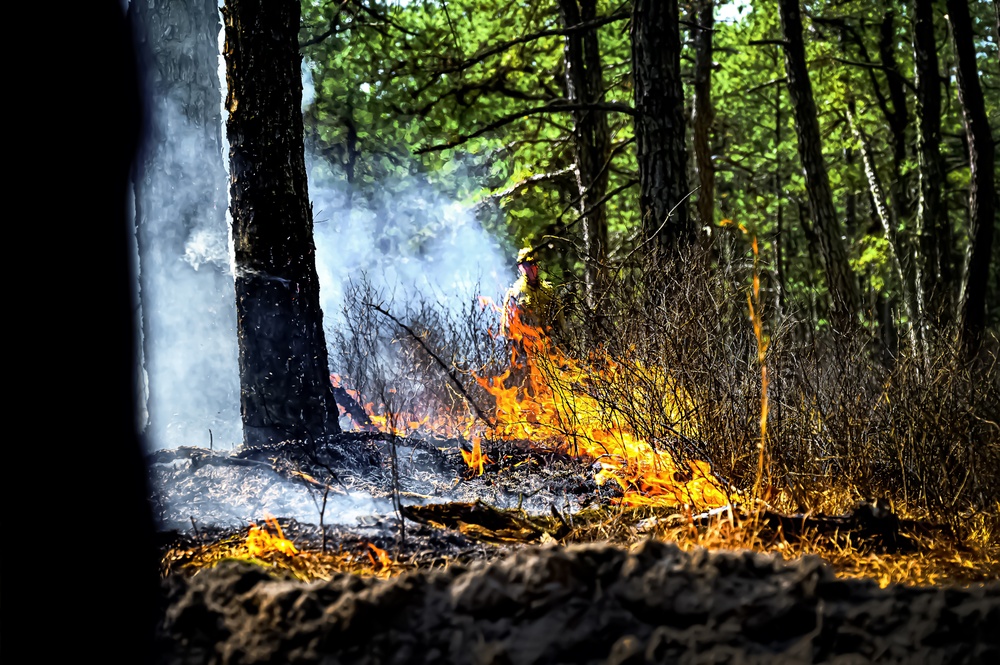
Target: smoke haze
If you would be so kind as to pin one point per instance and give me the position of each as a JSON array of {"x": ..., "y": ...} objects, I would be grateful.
[{"x": 411, "y": 243}]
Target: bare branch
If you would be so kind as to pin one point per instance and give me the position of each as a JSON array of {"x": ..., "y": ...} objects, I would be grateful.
[{"x": 449, "y": 370}]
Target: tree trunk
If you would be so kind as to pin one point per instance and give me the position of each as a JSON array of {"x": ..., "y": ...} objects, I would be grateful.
[
  {"x": 899, "y": 119},
  {"x": 186, "y": 284},
  {"x": 840, "y": 280},
  {"x": 585, "y": 85},
  {"x": 703, "y": 114},
  {"x": 982, "y": 183},
  {"x": 284, "y": 371},
  {"x": 935, "y": 272},
  {"x": 659, "y": 125},
  {"x": 888, "y": 221}
]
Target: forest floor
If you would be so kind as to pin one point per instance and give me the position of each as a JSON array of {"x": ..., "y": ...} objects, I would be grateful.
[{"x": 530, "y": 566}]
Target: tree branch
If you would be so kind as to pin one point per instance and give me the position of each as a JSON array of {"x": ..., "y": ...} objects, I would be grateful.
[
  {"x": 506, "y": 120},
  {"x": 554, "y": 32}
]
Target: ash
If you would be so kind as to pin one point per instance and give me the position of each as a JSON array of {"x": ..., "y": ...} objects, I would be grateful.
[{"x": 197, "y": 488}]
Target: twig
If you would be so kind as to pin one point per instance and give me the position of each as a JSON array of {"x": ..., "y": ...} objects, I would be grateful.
[
  {"x": 450, "y": 371},
  {"x": 196, "y": 532},
  {"x": 322, "y": 511}
]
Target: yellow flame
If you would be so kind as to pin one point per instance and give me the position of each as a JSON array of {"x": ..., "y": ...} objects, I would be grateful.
[{"x": 260, "y": 541}]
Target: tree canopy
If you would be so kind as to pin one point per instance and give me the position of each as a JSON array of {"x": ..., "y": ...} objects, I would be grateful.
[{"x": 471, "y": 98}]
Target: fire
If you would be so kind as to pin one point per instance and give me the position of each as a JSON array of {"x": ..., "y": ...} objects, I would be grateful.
[
  {"x": 383, "y": 558},
  {"x": 476, "y": 459},
  {"x": 551, "y": 406},
  {"x": 260, "y": 541},
  {"x": 543, "y": 398}
]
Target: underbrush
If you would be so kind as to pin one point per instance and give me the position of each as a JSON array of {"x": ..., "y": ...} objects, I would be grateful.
[{"x": 688, "y": 357}]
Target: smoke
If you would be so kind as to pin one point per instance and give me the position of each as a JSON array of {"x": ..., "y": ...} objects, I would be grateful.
[
  {"x": 409, "y": 239},
  {"x": 418, "y": 247},
  {"x": 188, "y": 303}
]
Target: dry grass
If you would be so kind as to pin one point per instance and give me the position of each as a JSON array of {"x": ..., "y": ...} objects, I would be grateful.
[
  {"x": 932, "y": 561},
  {"x": 304, "y": 564},
  {"x": 845, "y": 421}
]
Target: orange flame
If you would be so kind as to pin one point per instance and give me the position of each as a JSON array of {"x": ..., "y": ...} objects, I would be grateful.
[
  {"x": 552, "y": 408},
  {"x": 476, "y": 459},
  {"x": 383, "y": 557},
  {"x": 260, "y": 541},
  {"x": 543, "y": 398}
]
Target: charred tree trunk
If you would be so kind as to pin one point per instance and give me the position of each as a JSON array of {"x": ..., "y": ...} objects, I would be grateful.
[
  {"x": 284, "y": 371},
  {"x": 935, "y": 272},
  {"x": 982, "y": 185},
  {"x": 703, "y": 114},
  {"x": 840, "y": 280},
  {"x": 585, "y": 85},
  {"x": 186, "y": 285},
  {"x": 659, "y": 125}
]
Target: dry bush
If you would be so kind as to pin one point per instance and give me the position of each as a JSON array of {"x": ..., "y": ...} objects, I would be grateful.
[
  {"x": 843, "y": 423},
  {"x": 672, "y": 357},
  {"x": 381, "y": 356}
]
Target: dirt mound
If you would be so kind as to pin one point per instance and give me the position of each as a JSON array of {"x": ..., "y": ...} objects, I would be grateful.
[{"x": 579, "y": 604}]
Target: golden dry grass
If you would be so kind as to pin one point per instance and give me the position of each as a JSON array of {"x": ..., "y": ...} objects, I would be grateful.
[{"x": 933, "y": 561}]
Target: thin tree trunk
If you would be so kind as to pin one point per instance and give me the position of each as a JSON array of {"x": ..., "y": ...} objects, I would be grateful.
[
  {"x": 659, "y": 125},
  {"x": 840, "y": 280},
  {"x": 935, "y": 272},
  {"x": 585, "y": 84},
  {"x": 982, "y": 185},
  {"x": 284, "y": 371},
  {"x": 186, "y": 284},
  {"x": 899, "y": 119},
  {"x": 888, "y": 222},
  {"x": 703, "y": 115}
]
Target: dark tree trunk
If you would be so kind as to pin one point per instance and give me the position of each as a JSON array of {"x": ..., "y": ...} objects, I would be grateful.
[
  {"x": 982, "y": 185},
  {"x": 284, "y": 371},
  {"x": 703, "y": 114},
  {"x": 840, "y": 280},
  {"x": 186, "y": 285},
  {"x": 585, "y": 85},
  {"x": 935, "y": 270},
  {"x": 659, "y": 124}
]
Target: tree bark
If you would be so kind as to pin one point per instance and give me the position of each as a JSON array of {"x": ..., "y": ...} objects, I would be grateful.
[
  {"x": 840, "y": 280},
  {"x": 703, "y": 115},
  {"x": 179, "y": 186},
  {"x": 659, "y": 125},
  {"x": 585, "y": 85},
  {"x": 935, "y": 272},
  {"x": 284, "y": 370},
  {"x": 982, "y": 185}
]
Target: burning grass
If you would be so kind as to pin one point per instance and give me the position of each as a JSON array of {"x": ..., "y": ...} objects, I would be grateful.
[
  {"x": 267, "y": 547},
  {"x": 926, "y": 560}
]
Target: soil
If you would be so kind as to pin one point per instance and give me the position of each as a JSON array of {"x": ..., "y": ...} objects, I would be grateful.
[{"x": 577, "y": 604}]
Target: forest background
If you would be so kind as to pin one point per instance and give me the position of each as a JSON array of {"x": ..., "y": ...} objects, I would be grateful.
[{"x": 781, "y": 201}]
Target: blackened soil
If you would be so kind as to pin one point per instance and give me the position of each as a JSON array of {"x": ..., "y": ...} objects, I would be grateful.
[{"x": 578, "y": 604}]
